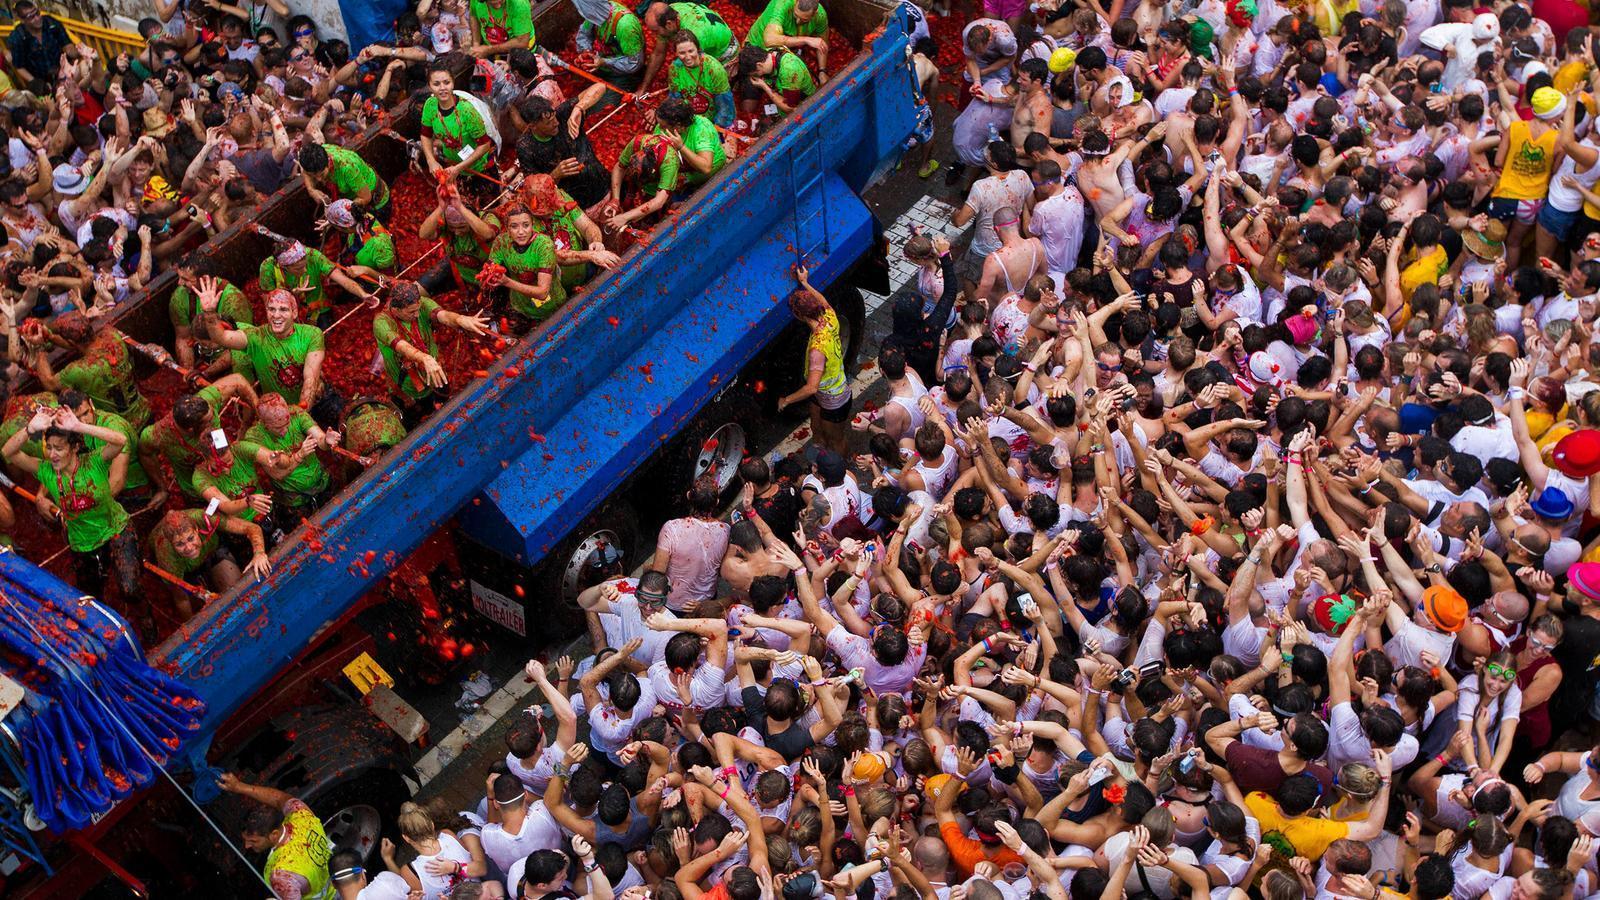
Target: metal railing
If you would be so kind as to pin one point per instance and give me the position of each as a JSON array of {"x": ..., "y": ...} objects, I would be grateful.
[{"x": 108, "y": 42}]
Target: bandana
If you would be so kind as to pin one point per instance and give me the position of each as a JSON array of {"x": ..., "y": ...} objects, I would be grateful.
[
  {"x": 292, "y": 254},
  {"x": 340, "y": 215}
]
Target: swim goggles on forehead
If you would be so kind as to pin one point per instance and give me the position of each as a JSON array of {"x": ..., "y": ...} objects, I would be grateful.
[{"x": 1500, "y": 671}]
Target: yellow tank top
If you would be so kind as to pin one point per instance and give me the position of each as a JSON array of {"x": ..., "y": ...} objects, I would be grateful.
[
  {"x": 1526, "y": 175},
  {"x": 305, "y": 853},
  {"x": 825, "y": 340}
]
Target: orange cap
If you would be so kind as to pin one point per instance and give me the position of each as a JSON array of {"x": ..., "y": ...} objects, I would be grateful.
[{"x": 1446, "y": 608}]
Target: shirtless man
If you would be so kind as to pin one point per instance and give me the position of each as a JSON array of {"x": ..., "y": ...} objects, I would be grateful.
[
  {"x": 1099, "y": 178},
  {"x": 1033, "y": 111},
  {"x": 1018, "y": 259},
  {"x": 1411, "y": 196}
]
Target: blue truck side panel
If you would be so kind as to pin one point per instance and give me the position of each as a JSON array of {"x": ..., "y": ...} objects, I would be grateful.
[{"x": 615, "y": 374}]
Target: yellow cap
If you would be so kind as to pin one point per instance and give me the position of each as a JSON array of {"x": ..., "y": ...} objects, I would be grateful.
[
  {"x": 1062, "y": 59},
  {"x": 1547, "y": 103}
]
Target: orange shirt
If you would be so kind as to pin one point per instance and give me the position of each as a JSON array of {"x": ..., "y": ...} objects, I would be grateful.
[{"x": 966, "y": 853}]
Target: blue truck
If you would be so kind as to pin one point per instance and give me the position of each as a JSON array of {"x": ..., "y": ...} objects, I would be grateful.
[{"x": 570, "y": 441}]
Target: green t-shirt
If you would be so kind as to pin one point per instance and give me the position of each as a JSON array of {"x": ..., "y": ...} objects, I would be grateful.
[
  {"x": 704, "y": 83},
  {"x": 349, "y": 175},
  {"x": 21, "y": 411},
  {"x": 565, "y": 234},
  {"x": 373, "y": 428},
  {"x": 92, "y": 515},
  {"x": 701, "y": 137},
  {"x": 513, "y": 17},
  {"x": 167, "y": 557},
  {"x": 232, "y": 306},
  {"x": 467, "y": 252},
  {"x": 237, "y": 481},
  {"x": 308, "y": 286},
  {"x": 388, "y": 329},
  {"x": 791, "y": 74},
  {"x": 714, "y": 34},
  {"x": 183, "y": 453},
  {"x": 376, "y": 251},
  {"x": 668, "y": 163},
  {"x": 280, "y": 362},
  {"x": 309, "y": 477},
  {"x": 456, "y": 133},
  {"x": 105, "y": 375},
  {"x": 526, "y": 265},
  {"x": 136, "y": 477},
  {"x": 782, "y": 12}
]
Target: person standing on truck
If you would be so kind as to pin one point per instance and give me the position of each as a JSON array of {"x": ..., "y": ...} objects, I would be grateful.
[
  {"x": 716, "y": 38},
  {"x": 794, "y": 25},
  {"x": 527, "y": 271},
  {"x": 305, "y": 272},
  {"x": 188, "y": 543},
  {"x": 689, "y": 550},
  {"x": 183, "y": 307},
  {"x": 294, "y": 437},
  {"x": 775, "y": 80},
  {"x": 698, "y": 79},
  {"x": 456, "y": 134},
  {"x": 75, "y": 490},
  {"x": 285, "y": 354},
  {"x": 331, "y": 172},
  {"x": 614, "y": 47},
  {"x": 404, "y": 330},
  {"x": 642, "y": 181},
  {"x": 827, "y": 386},
  {"x": 181, "y": 438},
  {"x": 291, "y": 835},
  {"x": 466, "y": 235},
  {"x": 499, "y": 26},
  {"x": 134, "y": 484},
  {"x": 695, "y": 139},
  {"x": 554, "y": 144},
  {"x": 103, "y": 369}
]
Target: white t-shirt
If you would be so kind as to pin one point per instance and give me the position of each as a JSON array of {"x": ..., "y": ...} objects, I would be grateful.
[
  {"x": 539, "y": 832},
  {"x": 435, "y": 887},
  {"x": 1160, "y": 880}
]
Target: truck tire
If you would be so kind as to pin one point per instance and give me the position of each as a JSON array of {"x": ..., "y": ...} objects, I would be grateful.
[
  {"x": 358, "y": 812},
  {"x": 716, "y": 440},
  {"x": 561, "y": 576}
]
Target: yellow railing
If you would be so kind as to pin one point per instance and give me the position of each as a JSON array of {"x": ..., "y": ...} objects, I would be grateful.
[{"x": 108, "y": 42}]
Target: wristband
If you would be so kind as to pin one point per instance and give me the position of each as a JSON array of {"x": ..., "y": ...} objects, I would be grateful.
[
  {"x": 1539, "y": 764},
  {"x": 847, "y": 791}
]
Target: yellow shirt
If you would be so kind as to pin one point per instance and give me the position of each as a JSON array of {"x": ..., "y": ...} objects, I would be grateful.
[
  {"x": 1310, "y": 836},
  {"x": 1427, "y": 268},
  {"x": 1526, "y": 175},
  {"x": 1570, "y": 75}
]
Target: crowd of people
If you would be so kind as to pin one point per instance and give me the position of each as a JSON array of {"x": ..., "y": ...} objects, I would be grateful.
[
  {"x": 1228, "y": 529},
  {"x": 122, "y": 169}
]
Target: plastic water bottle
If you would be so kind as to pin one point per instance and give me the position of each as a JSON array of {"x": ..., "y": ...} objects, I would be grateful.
[{"x": 994, "y": 134}]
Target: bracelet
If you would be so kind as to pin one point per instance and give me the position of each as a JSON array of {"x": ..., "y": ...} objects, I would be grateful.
[
  {"x": 1540, "y": 764},
  {"x": 1434, "y": 672},
  {"x": 1442, "y": 759},
  {"x": 847, "y": 791}
]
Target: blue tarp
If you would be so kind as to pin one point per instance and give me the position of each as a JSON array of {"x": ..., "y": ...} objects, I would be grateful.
[{"x": 369, "y": 21}]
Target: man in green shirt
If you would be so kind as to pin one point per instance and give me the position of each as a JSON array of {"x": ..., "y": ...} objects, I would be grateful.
[
  {"x": 501, "y": 26},
  {"x": 331, "y": 172},
  {"x": 716, "y": 38},
  {"x": 134, "y": 483},
  {"x": 777, "y": 78},
  {"x": 293, "y": 438},
  {"x": 699, "y": 79},
  {"x": 695, "y": 139},
  {"x": 529, "y": 261},
  {"x": 183, "y": 308},
  {"x": 187, "y": 544},
  {"x": 646, "y": 174},
  {"x": 794, "y": 24},
  {"x": 305, "y": 273},
  {"x": 580, "y": 244},
  {"x": 286, "y": 354},
  {"x": 183, "y": 438},
  {"x": 614, "y": 48},
  {"x": 232, "y": 478},
  {"x": 103, "y": 369},
  {"x": 404, "y": 332},
  {"x": 466, "y": 235}
]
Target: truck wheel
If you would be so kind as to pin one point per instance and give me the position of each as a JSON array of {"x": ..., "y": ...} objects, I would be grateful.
[
  {"x": 714, "y": 443},
  {"x": 565, "y": 573},
  {"x": 359, "y": 812}
]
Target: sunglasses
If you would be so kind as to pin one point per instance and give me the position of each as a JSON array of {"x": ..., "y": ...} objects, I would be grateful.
[
  {"x": 1537, "y": 644},
  {"x": 1500, "y": 671},
  {"x": 297, "y": 57},
  {"x": 304, "y": 32}
]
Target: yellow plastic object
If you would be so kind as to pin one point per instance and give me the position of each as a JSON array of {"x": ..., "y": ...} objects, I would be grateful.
[
  {"x": 108, "y": 42},
  {"x": 365, "y": 673}
]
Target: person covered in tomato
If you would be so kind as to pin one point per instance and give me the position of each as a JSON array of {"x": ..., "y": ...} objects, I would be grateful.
[
  {"x": 183, "y": 308},
  {"x": 793, "y": 25},
  {"x": 290, "y": 432},
  {"x": 286, "y": 354},
  {"x": 771, "y": 83},
  {"x": 648, "y": 170},
  {"x": 612, "y": 48},
  {"x": 187, "y": 544},
  {"x": 181, "y": 441},
  {"x": 580, "y": 245},
  {"x": 331, "y": 172},
  {"x": 466, "y": 237},
  {"x": 500, "y": 26},
  {"x": 555, "y": 144},
  {"x": 665, "y": 19},
  {"x": 695, "y": 139},
  {"x": 698, "y": 79},
  {"x": 458, "y": 132},
  {"x": 103, "y": 369},
  {"x": 129, "y": 483},
  {"x": 305, "y": 272},
  {"x": 232, "y": 481},
  {"x": 523, "y": 262},
  {"x": 404, "y": 330},
  {"x": 75, "y": 490},
  {"x": 366, "y": 247}
]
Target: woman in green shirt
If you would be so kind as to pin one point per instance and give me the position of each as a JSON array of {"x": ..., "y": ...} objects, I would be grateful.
[
  {"x": 699, "y": 79},
  {"x": 466, "y": 236},
  {"x": 454, "y": 135},
  {"x": 642, "y": 181},
  {"x": 404, "y": 332},
  {"x": 368, "y": 246},
  {"x": 76, "y": 491},
  {"x": 528, "y": 259}
]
